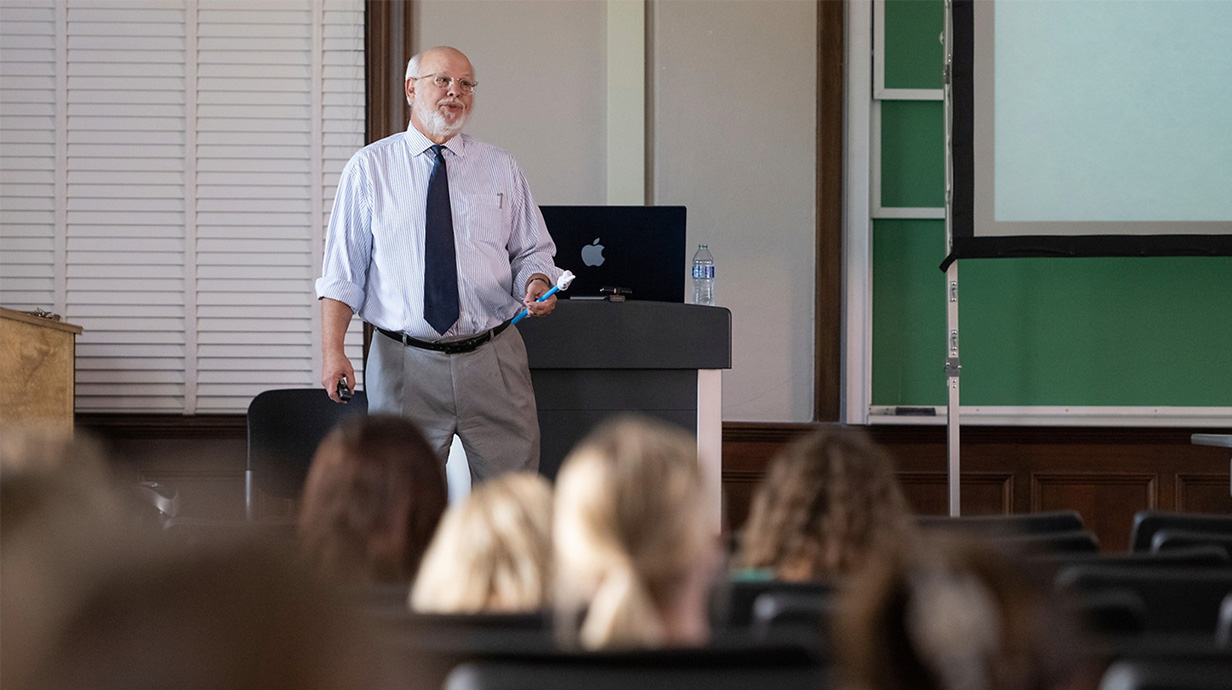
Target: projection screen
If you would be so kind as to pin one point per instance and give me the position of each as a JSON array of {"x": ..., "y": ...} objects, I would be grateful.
[{"x": 1092, "y": 128}]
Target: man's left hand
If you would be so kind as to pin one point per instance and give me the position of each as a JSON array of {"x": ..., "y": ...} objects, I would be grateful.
[{"x": 538, "y": 285}]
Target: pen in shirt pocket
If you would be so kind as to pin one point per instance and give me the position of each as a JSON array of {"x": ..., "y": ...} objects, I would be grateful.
[{"x": 500, "y": 200}]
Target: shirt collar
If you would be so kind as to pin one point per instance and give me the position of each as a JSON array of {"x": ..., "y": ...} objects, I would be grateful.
[{"x": 419, "y": 143}]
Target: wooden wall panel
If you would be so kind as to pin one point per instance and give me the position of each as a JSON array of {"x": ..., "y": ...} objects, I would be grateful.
[
  {"x": 1107, "y": 501},
  {"x": 1203, "y": 493},
  {"x": 981, "y": 493},
  {"x": 1105, "y": 474}
]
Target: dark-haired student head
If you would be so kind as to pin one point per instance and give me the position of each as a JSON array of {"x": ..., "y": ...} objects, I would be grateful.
[
  {"x": 372, "y": 500},
  {"x": 829, "y": 500}
]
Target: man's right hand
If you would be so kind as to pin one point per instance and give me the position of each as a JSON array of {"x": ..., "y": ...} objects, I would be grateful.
[{"x": 336, "y": 367}]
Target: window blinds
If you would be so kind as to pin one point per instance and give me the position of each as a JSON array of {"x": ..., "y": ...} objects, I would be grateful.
[{"x": 167, "y": 170}]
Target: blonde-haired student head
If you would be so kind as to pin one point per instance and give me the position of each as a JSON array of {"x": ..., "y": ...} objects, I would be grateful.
[
  {"x": 492, "y": 552},
  {"x": 635, "y": 554}
]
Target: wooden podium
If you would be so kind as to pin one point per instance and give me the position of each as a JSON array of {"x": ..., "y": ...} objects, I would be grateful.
[{"x": 37, "y": 362}]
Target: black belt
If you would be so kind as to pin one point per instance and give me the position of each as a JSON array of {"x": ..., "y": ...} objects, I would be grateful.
[{"x": 452, "y": 347}]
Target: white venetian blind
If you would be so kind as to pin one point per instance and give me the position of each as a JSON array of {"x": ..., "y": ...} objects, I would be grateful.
[
  {"x": 28, "y": 91},
  {"x": 199, "y": 148}
]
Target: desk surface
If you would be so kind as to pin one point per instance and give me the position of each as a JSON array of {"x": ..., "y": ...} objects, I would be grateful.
[{"x": 1224, "y": 440}]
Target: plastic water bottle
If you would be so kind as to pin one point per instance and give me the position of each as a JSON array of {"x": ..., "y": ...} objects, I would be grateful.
[{"x": 703, "y": 276}]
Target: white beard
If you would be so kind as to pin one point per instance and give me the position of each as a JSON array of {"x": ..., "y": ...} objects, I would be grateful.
[{"x": 436, "y": 124}]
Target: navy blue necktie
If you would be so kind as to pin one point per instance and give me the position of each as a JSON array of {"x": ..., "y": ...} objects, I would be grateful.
[{"x": 440, "y": 259}]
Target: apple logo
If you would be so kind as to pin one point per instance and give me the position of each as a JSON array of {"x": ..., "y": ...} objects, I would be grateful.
[{"x": 592, "y": 254}]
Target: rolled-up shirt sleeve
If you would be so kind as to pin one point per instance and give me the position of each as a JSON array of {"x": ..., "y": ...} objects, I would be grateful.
[
  {"x": 531, "y": 249},
  {"x": 348, "y": 239}
]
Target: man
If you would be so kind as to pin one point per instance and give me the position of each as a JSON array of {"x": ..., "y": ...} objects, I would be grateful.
[{"x": 436, "y": 241}]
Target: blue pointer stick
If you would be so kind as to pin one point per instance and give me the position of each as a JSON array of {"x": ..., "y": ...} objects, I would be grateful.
[{"x": 563, "y": 283}]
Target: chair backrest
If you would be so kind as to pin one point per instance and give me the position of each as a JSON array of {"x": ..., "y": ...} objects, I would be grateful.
[
  {"x": 1072, "y": 541},
  {"x": 735, "y": 600},
  {"x": 1018, "y": 523},
  {"x": 795, "y": 616},
  {"x": 1201, "y": 555},
  {"x": 419, "y": 650},
  {"x": 1177, "y": 598},
  {"x": 1223, "y": 629},
  {"x": 1166, "y": 540},
  {"x": 284, "y": 429},
  {"x": 1114, "y": 613},
  {"x": 713, "y": 668},
  {"x": 1156, "y": 674},
  {"x": 1148, "y": 522}
]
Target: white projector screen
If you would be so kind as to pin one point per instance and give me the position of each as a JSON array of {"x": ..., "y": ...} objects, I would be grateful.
[{"x": 1092, "y": 128}]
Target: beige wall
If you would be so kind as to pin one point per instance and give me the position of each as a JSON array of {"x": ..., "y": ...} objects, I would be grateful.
[
  {"x": 734, "y": 141},
  {"x": 732, "y": 113},
  {"x": 540, "y": 66}
]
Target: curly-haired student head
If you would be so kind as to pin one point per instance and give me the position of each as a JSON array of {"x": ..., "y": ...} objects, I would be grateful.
[{"x": 828, "y": 500}]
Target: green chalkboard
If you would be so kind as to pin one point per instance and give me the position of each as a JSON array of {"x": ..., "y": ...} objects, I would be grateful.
[
  {"x": 914, "y": 55},
  {"x": 912, "y": 154},
  {"x": 1050, "y": 332},
  {"x": 1110, "y": 332}
]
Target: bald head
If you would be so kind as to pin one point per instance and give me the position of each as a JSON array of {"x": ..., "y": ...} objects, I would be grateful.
[
  {"x": 414, "y": 65},
  {"x": 440, "y": 88}
]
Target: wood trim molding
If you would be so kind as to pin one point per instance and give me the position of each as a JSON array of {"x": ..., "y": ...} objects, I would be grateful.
[
  {"x": 387, "y": 48},
  {"x": 828, "y": 281},
  {"x": 164, "y": 426},
  {"x": 757, "y": 432},
  {"x": 1146, "y": 482}
]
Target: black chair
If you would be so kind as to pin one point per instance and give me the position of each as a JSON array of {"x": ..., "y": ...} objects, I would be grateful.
[
  {"x": 1067, "y": 542},
  {"x": 714, "y": 668},
  {"x": 734, "y": 601},
  {"x": 1148, "y": 522},
  {"x": 799, "y": 617},
  {"x": 417, "y": 651},
  {"x": 1166, "y": 540},
  {"x": 1019, "y": 523},
  {"x": 1112, "y": 613},
  {"x": 1223, "y": 629},
  {"x": 1176, "y": 598},
  {"x": 284, "y": 428},
  {"x": 1168, "y": 674},
  {"x": 1204, "y": 555}
]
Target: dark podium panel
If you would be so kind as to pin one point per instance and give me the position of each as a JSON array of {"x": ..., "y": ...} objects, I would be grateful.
[{"x": 592, "y": 359}]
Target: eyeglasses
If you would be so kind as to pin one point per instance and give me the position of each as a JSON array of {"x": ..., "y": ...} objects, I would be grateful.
[{"x": 443, "y": 82}]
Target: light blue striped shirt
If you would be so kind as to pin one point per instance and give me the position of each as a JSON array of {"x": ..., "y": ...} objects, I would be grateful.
[{"x": 374, "y": 245}]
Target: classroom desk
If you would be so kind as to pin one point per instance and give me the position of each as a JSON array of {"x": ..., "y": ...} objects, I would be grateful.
[{"x": 1221, "y": 440}]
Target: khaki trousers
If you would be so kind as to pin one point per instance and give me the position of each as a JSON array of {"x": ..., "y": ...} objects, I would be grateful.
[{"x": 484, "y": 396}]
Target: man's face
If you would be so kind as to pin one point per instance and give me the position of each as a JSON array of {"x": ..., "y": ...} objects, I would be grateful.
[{"x": 441, "y": 111}]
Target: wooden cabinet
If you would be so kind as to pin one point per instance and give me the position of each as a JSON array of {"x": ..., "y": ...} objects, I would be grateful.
[{"x": 37, "y": 362}]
